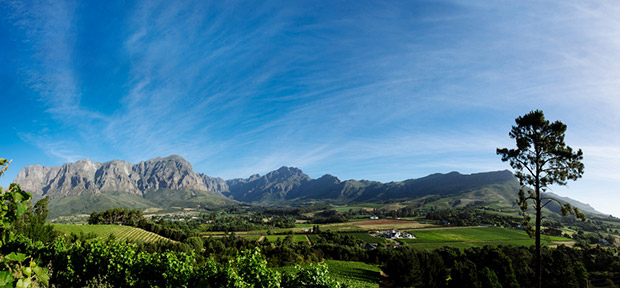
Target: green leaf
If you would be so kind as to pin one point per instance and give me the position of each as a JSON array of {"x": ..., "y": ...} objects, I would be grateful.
[
  {"x": 19, "y": 257},
  {"x": 3, "y": 161},
  {"x": 27, "y": 271},
  {"x": 21, "y": 209},
  {"x": 6, "y": 278},
  {"x": 42, "y": 275},
  {"x": 23, "y": 283}
]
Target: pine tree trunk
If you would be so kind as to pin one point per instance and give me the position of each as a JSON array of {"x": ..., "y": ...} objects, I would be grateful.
[{"x": 538, "y": 248}]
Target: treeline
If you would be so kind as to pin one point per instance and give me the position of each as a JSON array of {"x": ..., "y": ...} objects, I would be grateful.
[
  {"x": 236, "y": 222},
  {"x": 232, "y": 219},
  {"x": 471, "y": 217},
  {"x": 329, "y": 216},
  {"x": 118, "y": 216}
]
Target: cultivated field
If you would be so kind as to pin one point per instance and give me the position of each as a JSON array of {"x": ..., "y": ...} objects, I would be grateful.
[
  {"x": 373, "y": 225},
  {"x": 296, "y": 238},
  {"x": 466, "y": 237},
  {"x": 122, "y": 233},
  {"x": 355, "y": 274}
]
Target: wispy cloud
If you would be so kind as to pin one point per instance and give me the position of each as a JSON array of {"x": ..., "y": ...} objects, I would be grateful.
[
  {"x": 50, "y": 36},
  {"x": 63, "y": 149},
  {"x": 361, "y": 92}
]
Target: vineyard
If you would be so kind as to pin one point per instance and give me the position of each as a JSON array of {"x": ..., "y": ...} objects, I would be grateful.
[
  {"x": 355, "y": 274},
  {"x": 121, "y": 233}
]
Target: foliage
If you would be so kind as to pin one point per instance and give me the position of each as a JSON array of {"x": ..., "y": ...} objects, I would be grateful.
[
  {"x": 134, "y": 217},
  {"x": 13, "y": 204},
  {"x": 30, "y": 275},
  {"x": 329, "y": 216},
  {"x": 471, "y": 217},
  {"x": 118, "y": 216},
  {"x": 410, "y": 267},
  {"x": 311, "y": 276},
  {"x": 33, "y": 225},
  {"x": 355, "y": 274},
  {"x": 143, "y": 238},
  {"x": 541, "y": 159}
]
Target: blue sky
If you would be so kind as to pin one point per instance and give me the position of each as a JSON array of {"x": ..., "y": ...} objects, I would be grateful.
[{"x": 381, "y": 90}]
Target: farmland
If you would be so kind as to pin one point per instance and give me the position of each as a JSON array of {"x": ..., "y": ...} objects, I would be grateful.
[
  {"x": 355, "y": 274},
  {"x": 296, "y": 238},
  {"x": 373, "y": 225},
  {"x": 121, "y": 233},
  {"x": 467, "y": 237}
]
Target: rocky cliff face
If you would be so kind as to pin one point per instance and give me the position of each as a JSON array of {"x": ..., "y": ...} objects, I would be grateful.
[
  {"x": 117, "y": 175},
  {"x": 172, "y": 172},
  {"x": 73, "y": 179},
  {"x": 217, "y": 185},
  {"x": 172, "y": 181},
  {"x": 36, "y": 177},
  {"x": 275, "y": 185}
]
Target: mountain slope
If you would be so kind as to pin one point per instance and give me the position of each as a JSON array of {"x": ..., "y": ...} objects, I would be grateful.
[
  {"x": 291, "y": 184},
  {"x": 85, "y": 186}
]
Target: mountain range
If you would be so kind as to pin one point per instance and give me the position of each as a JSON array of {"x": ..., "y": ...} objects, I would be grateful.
[{"x": 86, "y": 186}]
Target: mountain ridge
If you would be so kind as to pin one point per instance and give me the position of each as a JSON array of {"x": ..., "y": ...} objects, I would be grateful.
[{"x": 171, "y": 180}]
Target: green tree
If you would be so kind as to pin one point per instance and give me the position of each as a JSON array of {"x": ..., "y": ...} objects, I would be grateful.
[
  {"x": 33, "y": 223},
  {"x": 540, "y": 160}
]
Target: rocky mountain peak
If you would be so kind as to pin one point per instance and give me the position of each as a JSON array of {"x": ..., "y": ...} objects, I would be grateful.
[
  {"x": 328, "y": 178},
  {"x": 172, "y": 172},
  {"x": 285, "y": 172}
]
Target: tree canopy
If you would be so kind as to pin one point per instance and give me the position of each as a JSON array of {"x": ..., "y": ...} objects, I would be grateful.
[{"x": 541, "y": 159}]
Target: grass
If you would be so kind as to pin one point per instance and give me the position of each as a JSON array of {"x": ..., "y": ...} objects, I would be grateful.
[
  {"x": 296, "y": 238},
  {"x": 355, "y": 274},
  {"x": 474, "y": 237},
  {"x": 121, "y": 233},
  {"x": 467, "y": 234},
  {"x": 252, "y": 237}
]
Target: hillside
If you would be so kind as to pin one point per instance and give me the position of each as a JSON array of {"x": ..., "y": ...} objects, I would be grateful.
[
  {"x": 292, "y": 185},
  {"x": 85, "y": 186}
]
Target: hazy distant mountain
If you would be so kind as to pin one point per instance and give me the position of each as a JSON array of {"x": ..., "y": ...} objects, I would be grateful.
[
  {"x": 275, "y": 185},
  {"x": 582, "y": 206},
  {"x": 292, "y": 184},
  {"x": 85, "y": 186}
]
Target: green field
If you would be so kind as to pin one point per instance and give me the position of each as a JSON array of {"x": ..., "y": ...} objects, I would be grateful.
[
  {"x": 296, "y": 238},
  {"x": 121, "y": 233},
  {"x": 252, "y": 237},
  {"x": 355, "y": 274},
  {"x": 474, "y": 237}
]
